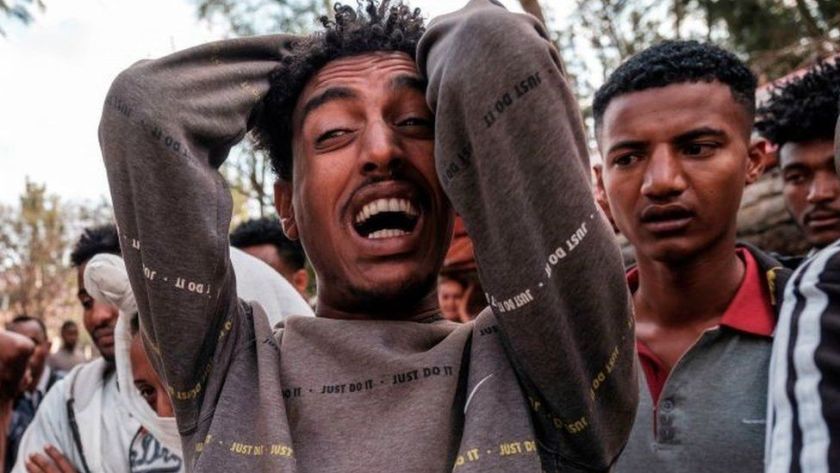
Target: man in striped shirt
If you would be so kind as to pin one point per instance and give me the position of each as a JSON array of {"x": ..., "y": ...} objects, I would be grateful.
[{"x": 804, "y": 388}]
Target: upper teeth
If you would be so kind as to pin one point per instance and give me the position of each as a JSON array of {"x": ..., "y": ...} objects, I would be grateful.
[{"x": 385, "y": 205}]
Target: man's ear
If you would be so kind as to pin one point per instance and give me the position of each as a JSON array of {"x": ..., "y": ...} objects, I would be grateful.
[
  {"x": 600, "y": 191},
  {"x": 757, "y": 159},
  {"x": 300, "y": 280},
  {"x": 285, "y": 208}
]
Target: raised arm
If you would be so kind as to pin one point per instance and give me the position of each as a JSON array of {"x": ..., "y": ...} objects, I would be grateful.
[
  {"x": 167, "y": 125},
  {"x": 511, "y": 154}
]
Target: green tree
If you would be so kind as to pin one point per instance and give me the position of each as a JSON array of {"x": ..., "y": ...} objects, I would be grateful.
[
  {"x": 18, "y": 10},
  {"x": 252, "y": 17},
  {"x": 33, "y": 244},
  {"x": 35, "y": 240}
]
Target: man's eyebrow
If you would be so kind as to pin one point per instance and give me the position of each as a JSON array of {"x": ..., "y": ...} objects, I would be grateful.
[
  {"x": 628, "y": 144},
  {"x": 329, "y": 95},
  {"x": 409, "y": 80},
  {"x": 81, "y": 293},
  {"x": 702, "y": 132},
  {"x": 794, "y": 166}
]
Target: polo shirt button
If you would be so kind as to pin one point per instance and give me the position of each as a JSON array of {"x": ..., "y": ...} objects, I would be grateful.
[{"x": 667, "y": 404}]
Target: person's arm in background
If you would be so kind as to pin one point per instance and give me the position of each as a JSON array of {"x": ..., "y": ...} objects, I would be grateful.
[
  {"x": 167, "y": 126},
  {"x": 50, "y": 426},
  {"x": 15, "y": 350},
  {"x": 511, "y": 154}
]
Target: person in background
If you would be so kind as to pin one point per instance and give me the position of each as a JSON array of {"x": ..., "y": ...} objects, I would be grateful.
[
  {"x": 82, "y": 419},
  {"x": 673, "y": 124},
  {"x": 264, "y": 239},
  {"x": 450, "y": 292},
  {"x": 803, "y": 419},
  {"x": 43, "y": 378},
  {"x": 799, "y": 119},
  {"x": 15, "y": 351},
  {"x": 66, "y": 357}
]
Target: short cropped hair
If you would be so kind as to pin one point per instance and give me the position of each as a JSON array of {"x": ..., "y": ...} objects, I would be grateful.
[
  {"x": 804, "y": 108},
  {"x": 93, "y": 241},
  {"x": 68, "y": 324},
  {"x": 267, "y": 231},
  {"x": 370, "y": 27},
  {"x": 677, "y": 62},
  {"x": 19, "y": 319}
]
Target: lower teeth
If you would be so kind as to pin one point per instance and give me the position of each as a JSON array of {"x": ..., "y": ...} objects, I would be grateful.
[{"x": 387, "y": 234}]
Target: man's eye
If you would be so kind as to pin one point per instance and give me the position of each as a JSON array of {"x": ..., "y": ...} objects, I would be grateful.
[
  {"x": 625, "y": 160},
  {"x": 87, "y": 303},
  {"x": 699, "y": 149},
  {"x": 148, "y": 393},
  {"x": 331, "y": 134},
  {"x": 794, "y": 177},
  {"x": 415, "y": 121}
]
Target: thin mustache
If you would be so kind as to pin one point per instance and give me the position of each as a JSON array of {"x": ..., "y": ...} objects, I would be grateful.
[{"x": 810, "y": 213}]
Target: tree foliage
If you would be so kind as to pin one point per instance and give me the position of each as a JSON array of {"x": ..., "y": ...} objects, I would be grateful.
[
  {"x": 18, "y": 10},
  {"x": 35, "y": 240},
  {"x": 253, "y": 17},
  {"x": 774, "y": 37}
]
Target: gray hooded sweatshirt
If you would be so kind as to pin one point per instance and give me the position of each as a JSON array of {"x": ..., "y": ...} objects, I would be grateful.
[{"x": 543, "y": 380}]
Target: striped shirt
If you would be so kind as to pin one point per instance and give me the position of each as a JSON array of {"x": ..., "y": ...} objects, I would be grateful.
[{"x": 803, "y": 432}]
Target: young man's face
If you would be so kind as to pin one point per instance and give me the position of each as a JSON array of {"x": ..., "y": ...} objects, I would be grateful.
[
  {"x": 812, "y": 189},
  {"x": 70, "y": 336},
  {"x": 450, "y": 295},
  {"x": 269, "y": 254},
  {"x": 676, "y": 160},
  {"x": 99, "y": 318},
  {"x": 365, "y": 198},
  {"x": 147, "y": 381}
]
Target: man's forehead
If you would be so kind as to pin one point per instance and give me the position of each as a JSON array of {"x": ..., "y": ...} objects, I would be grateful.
[
  {"x": 362, "y": 67},
  {"x": 671, "y": 110},
  {"x": 814, "y": 153}
]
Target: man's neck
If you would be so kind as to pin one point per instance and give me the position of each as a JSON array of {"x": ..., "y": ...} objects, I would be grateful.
[
  {"x": 69, "y": 349},
  {"x": 695, "y": 292},
  {"x": 417, "y": 310}
]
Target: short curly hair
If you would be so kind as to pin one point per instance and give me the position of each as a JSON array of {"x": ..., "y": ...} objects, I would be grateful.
[
  {"x": 676, "y": 62},
  {"x": 93, "y": 241},
  {"x": 267, "y": 231},
  {"x": 804, "y": 108},
  {"x": 370, "y": 27}
]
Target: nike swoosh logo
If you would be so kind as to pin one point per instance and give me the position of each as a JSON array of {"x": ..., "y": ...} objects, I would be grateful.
[{"x": 472, "y": 393}]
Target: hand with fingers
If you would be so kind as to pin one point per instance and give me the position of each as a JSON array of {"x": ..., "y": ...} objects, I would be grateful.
[{"x": 51, "y": 461}]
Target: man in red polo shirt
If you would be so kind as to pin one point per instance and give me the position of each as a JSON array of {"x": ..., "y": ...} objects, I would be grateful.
[{"x": 673, "y": 124}]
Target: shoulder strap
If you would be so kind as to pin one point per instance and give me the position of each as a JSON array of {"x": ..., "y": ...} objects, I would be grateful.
[{"x": 74, "y": 429}]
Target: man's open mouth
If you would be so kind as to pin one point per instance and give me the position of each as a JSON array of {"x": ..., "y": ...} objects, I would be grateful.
[{"x": 386, "y": 218}]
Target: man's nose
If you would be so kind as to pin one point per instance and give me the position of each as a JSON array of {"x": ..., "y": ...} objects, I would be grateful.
[
  {"x": 381, "y": 149},
  {"x": 163, "y": 405},
  {"x": 664, "y": 177},
  {"x": 104, "y": 314},
  {"x": 824, "y": 187}
]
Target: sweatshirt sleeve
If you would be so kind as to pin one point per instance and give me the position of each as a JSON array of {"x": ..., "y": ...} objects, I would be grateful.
[
  {"x": 167, "y": 125},
  {"x": 511, "y": 154}
]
